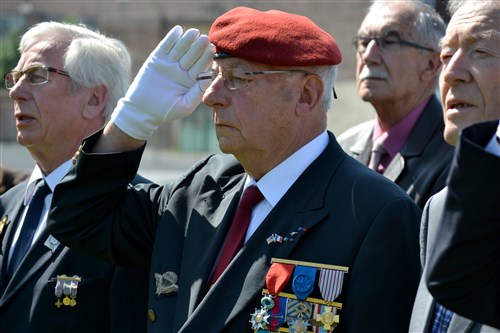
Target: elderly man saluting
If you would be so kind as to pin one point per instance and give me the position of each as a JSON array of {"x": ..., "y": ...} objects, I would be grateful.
[{"x": 318, "y": 241}]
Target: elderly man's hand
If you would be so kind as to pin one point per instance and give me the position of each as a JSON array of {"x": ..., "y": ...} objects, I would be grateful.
[{"x": 165, "y": 88}]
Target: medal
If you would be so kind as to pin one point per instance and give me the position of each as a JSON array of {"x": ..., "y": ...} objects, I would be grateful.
[
  {"x": 330, "y": 283},
  {"x": 328, "y": 318},
  {"x": 298, "y": 312},
  {"x": 259, "y": 319},
  {"x": 3, "y": 223},
  {"x": 303, "y": 281},
  {"x": 298, "y": 325},
  {"x": 276, "y": 279},
  {"x": 67, "y": 286}
]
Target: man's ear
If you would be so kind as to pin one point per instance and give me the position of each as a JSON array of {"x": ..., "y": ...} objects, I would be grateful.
[
  {"x": 97, "y": 101},
  {"x": 432, "y": 68},
  {"x": 312, "y": 90}
]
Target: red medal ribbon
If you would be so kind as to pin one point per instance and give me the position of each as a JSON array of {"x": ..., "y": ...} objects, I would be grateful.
[{"x": 278, "y": 276}]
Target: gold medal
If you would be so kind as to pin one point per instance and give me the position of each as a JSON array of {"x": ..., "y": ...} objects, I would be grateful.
[
  {"x": 72, "y": 302},
  {"x": 328, "y": 318},
  {"x": 66, "y": 301}
]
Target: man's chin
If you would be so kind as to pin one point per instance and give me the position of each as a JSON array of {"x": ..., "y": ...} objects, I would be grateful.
[{"x": 451, "y": 135}]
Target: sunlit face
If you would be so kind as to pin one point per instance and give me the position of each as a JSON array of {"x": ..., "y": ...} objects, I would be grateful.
[
  {"x": 470, "y": 78},
  {"x": 47, "y": 114},
  {"x": 388, "y": 75},
  {"x": 257, "y": 122}
]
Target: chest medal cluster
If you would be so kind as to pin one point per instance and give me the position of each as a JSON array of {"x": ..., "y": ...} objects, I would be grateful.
[
  {"x": 66, "y": 289},
  {"x": 297, "y": 312}
]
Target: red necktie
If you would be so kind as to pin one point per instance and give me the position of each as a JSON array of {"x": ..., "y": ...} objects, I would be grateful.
[{"x": 236, "y": 235}]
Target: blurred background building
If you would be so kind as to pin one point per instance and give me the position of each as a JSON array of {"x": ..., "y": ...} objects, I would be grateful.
[{"x": 141, "y": 24}]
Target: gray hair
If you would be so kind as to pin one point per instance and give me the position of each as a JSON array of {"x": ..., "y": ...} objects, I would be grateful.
[
  {"x": 91, "y": 58},
  {"x": 328, "y": 74},
  {"x": 428, "y": 26}
]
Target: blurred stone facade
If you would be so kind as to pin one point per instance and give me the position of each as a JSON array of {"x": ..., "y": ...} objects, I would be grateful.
[{"x": 142, "y": 24}]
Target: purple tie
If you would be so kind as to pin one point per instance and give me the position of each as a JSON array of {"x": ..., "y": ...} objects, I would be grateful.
[{"x": 378, "y": 151}]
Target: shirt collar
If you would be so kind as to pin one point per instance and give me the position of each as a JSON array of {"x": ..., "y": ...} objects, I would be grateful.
[
  {"x": 51, "y": 179},
  {"x": 397, "y": 135},
  {"x": 276, "y": 182}
]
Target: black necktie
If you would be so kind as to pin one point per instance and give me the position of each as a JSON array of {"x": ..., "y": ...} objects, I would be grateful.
[{"x": 29, "y": 226}]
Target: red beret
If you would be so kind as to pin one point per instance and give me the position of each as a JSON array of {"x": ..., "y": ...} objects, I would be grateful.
[{"x": 273, "y": 38}]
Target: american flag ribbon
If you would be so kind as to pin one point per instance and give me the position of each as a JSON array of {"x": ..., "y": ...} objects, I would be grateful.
[{"x": 330, "y": 283}]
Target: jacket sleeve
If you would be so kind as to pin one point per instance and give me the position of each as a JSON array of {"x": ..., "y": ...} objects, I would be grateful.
[
  {"x": 95, "y": 211},
  {"x": 464, "y": 266}
]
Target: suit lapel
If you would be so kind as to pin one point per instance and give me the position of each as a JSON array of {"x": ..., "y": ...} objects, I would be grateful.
[
  {"x": 417, "y": 141},
  {"x": 395, "y": 167},
  {"x": 215, "y": 209},
  {"x": 36, "y": 259}
]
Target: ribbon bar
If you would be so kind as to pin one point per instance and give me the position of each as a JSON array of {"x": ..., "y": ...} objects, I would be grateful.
[{"x": 310, "y": 264}]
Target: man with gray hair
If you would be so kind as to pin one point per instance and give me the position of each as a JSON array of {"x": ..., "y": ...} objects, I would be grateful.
[
  {"x": 463, "y": 265},
  {"x": 66, "y": 82},
  {"x": 397, "y": 72}
]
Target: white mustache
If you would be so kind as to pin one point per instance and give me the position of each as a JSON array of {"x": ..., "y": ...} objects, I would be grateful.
[{"x": 371, "y": 73}]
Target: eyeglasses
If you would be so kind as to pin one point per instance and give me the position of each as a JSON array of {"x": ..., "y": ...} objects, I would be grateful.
[
  {"x": 34, "y": 75},
  {"x": 389, "y": 41},
  {"x": 236, "y": 78}
]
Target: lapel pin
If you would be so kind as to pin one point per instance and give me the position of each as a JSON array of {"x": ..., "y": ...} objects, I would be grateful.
[
  {"x": 51, "y": 243},
  {"x": 275, "y": 238},
  {"x": 166, "y": 283}
]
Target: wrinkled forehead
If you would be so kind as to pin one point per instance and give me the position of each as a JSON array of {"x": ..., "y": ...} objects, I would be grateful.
[
  {"x": 42, "y": 52},
  {"x": 474, "y": 24},
  {"x": 389, "y": 18}
]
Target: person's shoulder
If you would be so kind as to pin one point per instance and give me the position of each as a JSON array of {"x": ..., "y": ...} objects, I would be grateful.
[
  {"x": 369, "y": 182},
  {"x": 356, "y": 131},
  {"x": 356, "y": 137}
]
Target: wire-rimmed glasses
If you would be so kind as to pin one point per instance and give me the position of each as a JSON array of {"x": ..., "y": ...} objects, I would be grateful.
[
  {"x": 389, "y": 41},
  {"x": 34, "y": 75},
  {"x": 236, "y": 78}
]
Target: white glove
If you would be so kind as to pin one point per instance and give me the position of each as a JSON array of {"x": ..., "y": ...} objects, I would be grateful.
[{"x": 165, "y": 88}]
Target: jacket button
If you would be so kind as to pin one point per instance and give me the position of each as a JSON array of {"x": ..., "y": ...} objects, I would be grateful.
[{"x": 151, "y": 315}]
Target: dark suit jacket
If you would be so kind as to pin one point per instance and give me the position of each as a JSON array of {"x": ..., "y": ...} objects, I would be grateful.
[
  {"x": 422, "y": 165},
  {"x": 424, "y": 307},
  {"x": 353, "y": 216},
  {"x": 464, "y": 267},
  {"x": 109, "y": 299}
]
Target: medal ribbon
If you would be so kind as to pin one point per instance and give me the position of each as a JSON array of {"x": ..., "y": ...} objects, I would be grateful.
[
  {"x": 276, "y": 279},
  {"x": 303, "y": 281},
  {"x": 330, "y": 283},
  {"x": 278, "y": 276}
]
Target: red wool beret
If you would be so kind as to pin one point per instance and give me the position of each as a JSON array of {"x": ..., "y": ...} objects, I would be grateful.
[{"x": 273, "y": 38}]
